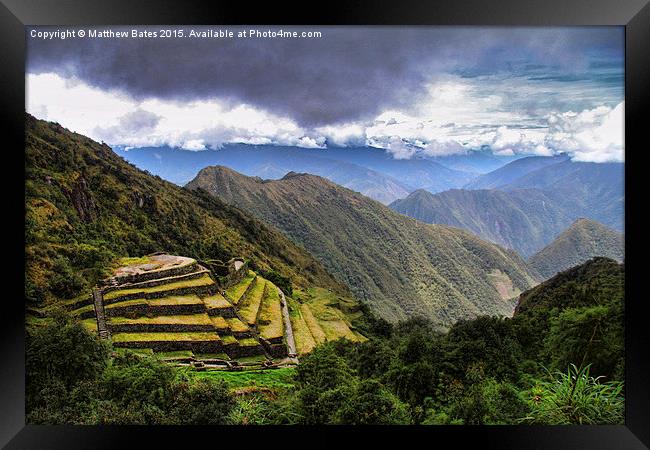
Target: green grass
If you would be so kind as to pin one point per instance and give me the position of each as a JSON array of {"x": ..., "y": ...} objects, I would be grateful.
[
  {"x": 216, "y": 302},
  {"x": 272, "y": 379},
  {"x": 90, "y": 324},
  {"x": 248, "y": 342},
  {"x": 236, "y": 325},
  {"x": 235, "y": 292},
  {"x": 136, "y": 301},
  {"x": 133, "y": 260},
  {"x": 252, "y": 359},
  {"x": 250, "y": 305},
  {"x": 137, "y": 351},
  {"x": 175, "y": 355},
  {"x": 146, "y": 337},
  {"x": 219, "y": 322},
  {"x": 212, "y": 356},
  {"x": 304, "y": 340},
  {"x": 270, "y": 318},
  {"x": 186, "y": 319},
  {"x": 204, "y": 280},
  {"x": 83, "y": 309},
  {"x": 314, "y": 327},
  {"x": 324, "y": 308},
  {"x": 228, "y": 339}
]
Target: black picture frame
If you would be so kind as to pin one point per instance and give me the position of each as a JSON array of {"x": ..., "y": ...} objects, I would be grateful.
[{"x": 634, "y": 15}]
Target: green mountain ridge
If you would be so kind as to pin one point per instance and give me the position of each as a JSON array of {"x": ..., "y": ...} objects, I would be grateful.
[
  {"x": 399, "y": 266},
  {"x": 583, "y": 240}
]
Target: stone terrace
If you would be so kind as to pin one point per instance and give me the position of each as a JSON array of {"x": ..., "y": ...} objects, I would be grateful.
[{"x": 170, "y": 304}]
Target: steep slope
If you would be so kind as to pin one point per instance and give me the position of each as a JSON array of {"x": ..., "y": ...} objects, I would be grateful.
[
  {"x": 86, "y": 207},
  {"x": 583, "y": 240},
  {"x": 266, "y": 161},
  {"x": 524, "y": 220},
  {"x": 400, "y": 266},
  {"x": 512, "y": 171}
]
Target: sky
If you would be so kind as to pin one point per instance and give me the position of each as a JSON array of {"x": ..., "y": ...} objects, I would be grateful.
[{"x": 409, "y": 90}]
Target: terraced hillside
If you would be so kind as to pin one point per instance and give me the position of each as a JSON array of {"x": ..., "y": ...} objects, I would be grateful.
[{"x": 172, "y": 306}]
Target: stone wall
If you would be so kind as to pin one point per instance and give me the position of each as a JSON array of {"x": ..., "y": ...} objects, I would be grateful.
[
  {"x": 237, "y": 351},
  {"x": 226, "y": 313},
  {"x": 154, "y": 310},
  {"x": 158, "y": 327},
  {"x": 171, "y": 346},
  {"x": 146, "y": 276},
  {"x": 160, "y": 281}
]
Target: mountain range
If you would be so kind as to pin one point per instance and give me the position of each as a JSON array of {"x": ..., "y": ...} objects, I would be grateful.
[
  {"x": 399, "y": 266},
  {"x": 368, "y": 170},
  {"x": 541, "y": 198}
]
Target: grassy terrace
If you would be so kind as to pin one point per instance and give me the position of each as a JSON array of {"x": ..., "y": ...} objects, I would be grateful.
[
  {"x": 90, "y": 324},
  {"x": 304, "y": 340},
  {"x": 248, "y": 342},
  {"x": 205, "y": 280},
  {"x": 185, "y": 319},
  {"x": 228, "y": 339},
  {"x": 249, "y": 306},
  {"x": 174, "y": 300},
  {"x": 138, "y": 351},
  {"x": 175, "y": 355},
  {"x": 278, "y": 378},
  {"x": 212, "y": 356},
  {"x": 155, "y": 337},
  {"x": 218, "y": 322},
  {"x": 133, "y": 260},
  {"x": 83, "y": 309},
  {"x": 236, "y": 325},
  {"x": 216, "y": 302},
  {"x": 270, "y": 319},
  {"x": 313, "y": 325},
  {"x": 235, "y": 292}
]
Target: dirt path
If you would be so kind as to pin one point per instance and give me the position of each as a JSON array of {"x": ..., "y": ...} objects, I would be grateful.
[{"x": 291, "y": 343}]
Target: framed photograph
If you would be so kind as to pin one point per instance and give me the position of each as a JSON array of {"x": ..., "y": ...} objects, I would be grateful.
[{"x": 244, "y": 223}]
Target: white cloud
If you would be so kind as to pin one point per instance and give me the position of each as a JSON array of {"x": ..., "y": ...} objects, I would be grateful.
[
  {"x": 595, "y": 135},
  {"x": 119, "y": 120},
  {"x": 456, "y": 116}
]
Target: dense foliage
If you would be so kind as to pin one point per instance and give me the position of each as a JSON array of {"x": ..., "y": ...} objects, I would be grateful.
[
  {"x": 559, "y": 360},
  {"x": 73, "y": 378}
]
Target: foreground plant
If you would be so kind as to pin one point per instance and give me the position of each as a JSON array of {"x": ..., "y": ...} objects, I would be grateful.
[{"x": 575, "y": 397}]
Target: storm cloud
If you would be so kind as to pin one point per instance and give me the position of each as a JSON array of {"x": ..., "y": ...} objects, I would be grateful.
[{"x": 347, "y": 75}]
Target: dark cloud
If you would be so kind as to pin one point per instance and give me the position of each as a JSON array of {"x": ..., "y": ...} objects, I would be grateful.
[
  {"x": 349, "y": 74},
  {"x": 132, "y": 123}
]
